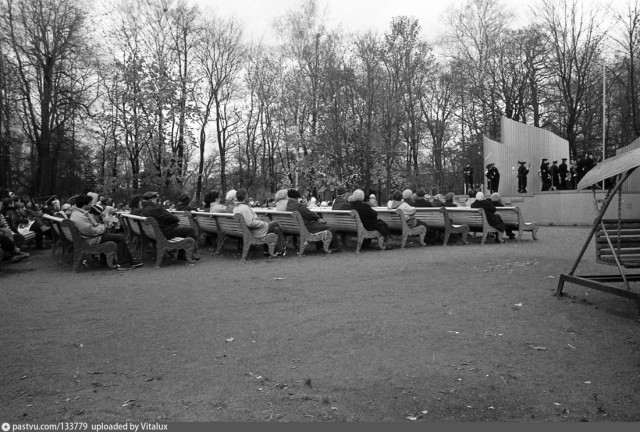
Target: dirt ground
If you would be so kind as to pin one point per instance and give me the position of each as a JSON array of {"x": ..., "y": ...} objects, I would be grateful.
[{"x": 459, "y": 333}]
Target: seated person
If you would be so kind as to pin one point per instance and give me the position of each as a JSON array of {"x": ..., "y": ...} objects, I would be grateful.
[
  {"x": 421, "y": 200},
  {"x": 214, "y": 203},
  {"x": 448, "y": 200},
  {"x": 369, "y": 218},
  {"x": 258, "y": 227},
  {"x": 184, "y": 203},
  {"x": 496, "y": 200},
  {"x": 373, "y": 202},
  {"x": 312, "y": 221},
  {"x": 472, "y": 197},
  {"x": 438, "y": 200},
  {"x": 407, "y": 196},
  {"x": 281, "y": 200},
  {"x": 135, "y": 205},
  {"x": 409, "y": 212},
  {"x": 9, "y": 251},
  {"x": 95, "y": 233},
  {"x": 490, "y": 211},
  {"x": 168, "y": 223},
  {"x": 230, "y": 201},
  {"x": 341, "y": 202}
]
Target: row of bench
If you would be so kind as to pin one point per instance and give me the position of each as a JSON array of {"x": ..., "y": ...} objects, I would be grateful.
[
  {"x": 459, "y": 220},
  {"x": 143, "y": 232}
]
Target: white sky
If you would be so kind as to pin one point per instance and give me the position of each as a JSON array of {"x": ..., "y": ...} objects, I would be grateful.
[{"x": 353, "y": 15}]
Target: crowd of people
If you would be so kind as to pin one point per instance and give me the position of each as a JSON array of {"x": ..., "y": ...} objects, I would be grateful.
[{"x": 96, "y": 216}]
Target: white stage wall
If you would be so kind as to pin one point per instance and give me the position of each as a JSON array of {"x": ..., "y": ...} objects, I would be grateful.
[{"x": 521, "y": 142}]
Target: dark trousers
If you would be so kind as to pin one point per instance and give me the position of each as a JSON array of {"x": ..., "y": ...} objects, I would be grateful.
[
  {"x": 522, "y": 184},
  {"x": 123, "y": 254},
  {"x": 7, "y": 245},
  {"x": 179, "y": 231},
  {"x": 382, "y": 228}
]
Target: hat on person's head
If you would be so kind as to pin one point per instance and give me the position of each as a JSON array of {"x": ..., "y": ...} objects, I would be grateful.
[
  {"x": 480, "y": 196},
  {"x": 564, "y": 159},
  {"x": 555, "y": 161},
  {"x": 544, "y": 160},
  {"x": 421, "y": 193},
  {"x": 488, "y": 165},
  {"x": 495, "y": 196},
  {"x": 406, "y": 194},
  {"x": 280, "y": 195},
  {"x": 230, "y": 195},
  {"x": 150, "y": 195},
  {"x": 184, "y": 199},
  {"x": 372, "y": 196},
  {"x": 292, "y": 193},
  {"x": 521, "y": 162},
  {"x": 397, "y": 196},
  {"x": 341, "y": 190},
  {"x": 358, "y": 195}
]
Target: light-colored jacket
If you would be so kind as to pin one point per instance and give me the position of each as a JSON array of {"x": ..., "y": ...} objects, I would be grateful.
[
  {"x": 258, "y": 227},
  {"x": 91, "y": 230}
]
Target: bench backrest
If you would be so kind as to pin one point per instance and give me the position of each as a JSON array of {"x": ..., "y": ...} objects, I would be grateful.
[
  {"x": 206, "y": 222},
  {"x": 71, "y": 233},
  {"x": 510, "y": 215},
  {"x": 341, "y": 220},
  {"x": 135, "y": 223},
  {"x": 474, "y": 217},
  {"x": 434, "y": 217},
  {"x": 228, "y": 224},
  {"x": 391, "y": 217}
]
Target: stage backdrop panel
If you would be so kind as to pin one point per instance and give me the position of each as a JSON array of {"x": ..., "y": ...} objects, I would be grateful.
[
  {"x": 521, "y": 142},
  {"x": 633, "y": 182}
]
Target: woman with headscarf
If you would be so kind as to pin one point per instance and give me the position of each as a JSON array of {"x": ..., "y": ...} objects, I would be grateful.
[{"x": 493, "y": 218}]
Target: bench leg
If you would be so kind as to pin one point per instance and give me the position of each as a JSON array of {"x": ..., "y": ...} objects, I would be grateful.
[
  {"x": 403, "y": 241},
  {"x": 534, "y": 233},
  {"x": 447, "y": 234}
]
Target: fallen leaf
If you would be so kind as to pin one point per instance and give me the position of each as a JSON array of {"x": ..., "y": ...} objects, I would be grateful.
[
  {"x": 454, "y": 332},
  {"x": 278, "y": 278},
  {"x": 556, "y": 404},
  {"x": 587, "y": 382},
  {"x": 518, "y": 304},
  {"x": 412, "y": 418},
  {"x": 539, "y": 348},
  {"x": 229, "y": 339},
  {"x": 24, "y": 377},
  {"x": 425, "y": 412}
]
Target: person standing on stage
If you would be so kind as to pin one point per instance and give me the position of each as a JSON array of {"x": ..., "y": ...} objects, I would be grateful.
[
  {"x": 563, "y": 172},
  {"x": 573, "y": 175},
  {"x": 468, "y": 177},
  {"x": 544, "y": 175},
  {"x": 495, "y": 178},
  {"x": 555, "y": 177},
  {"x": 488, "y": 173},
  {"x": 523, "y": 171}
]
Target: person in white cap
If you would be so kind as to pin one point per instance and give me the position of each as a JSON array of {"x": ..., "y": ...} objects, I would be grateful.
[{"x": 373, "y": 202}]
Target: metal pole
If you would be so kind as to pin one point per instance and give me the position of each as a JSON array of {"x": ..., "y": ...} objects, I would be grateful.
[{"x": 604, "y": 117}]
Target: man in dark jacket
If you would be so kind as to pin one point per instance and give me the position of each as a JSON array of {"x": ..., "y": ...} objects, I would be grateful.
[
  {"x": 168, "y": 223},
  {"x": 341, "y": 203},
  {"x": 421, "y": 201},
  {"x": 369, "y": 218},
  {"x": 312, "y": 221},
  {"x": 495, "y": 220},
  {"x": 563, "y": 172}
]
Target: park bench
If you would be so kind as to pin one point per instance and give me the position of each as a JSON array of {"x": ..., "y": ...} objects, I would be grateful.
[
  {"x": 397, "y": 223},
  {"x": 292, "y": 223},
  {"x": 206, "y": 224},
  {"x": 230, "y": 225},
  {"x": 623, "y": 238},
  {"x": 57, "y": 238},
  {"x": 187, "y": 220},
  {"x": 147, "y": 231},
  {"x": 437, "y": 218},
  {"x": 512, "y": 217},
  {"x": 81, "y": 248},
  {"x": 475, "y": 218},
  {"x": 134, "y": 234},
  {"x": 348, "y": 221}
]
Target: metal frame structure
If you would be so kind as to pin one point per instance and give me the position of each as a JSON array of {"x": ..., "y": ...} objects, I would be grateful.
[{"x": 623, "y": 166}]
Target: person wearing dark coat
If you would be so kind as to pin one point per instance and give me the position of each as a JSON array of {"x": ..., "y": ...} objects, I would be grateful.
[
  {"x": 167, "y": 222},
  {"x": 523, "y": 172},
  {"x": 555, "y": 176},
  {"x": 545, "y": 176},
  {"x": 468, "y": 177},
  {"x": 369, "y": 218},
  {"x": 563, "y": 172},
  {"x": 495, "y": 220},
  {"x": 495, "y": 178},
  {"x": 421, "y": 201},
  {"x": 341, "y": 202},
  {"x": 312, "y": 221}
]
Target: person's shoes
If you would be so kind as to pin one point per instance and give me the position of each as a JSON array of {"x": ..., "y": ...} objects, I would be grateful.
[
  {"x": 19, "y": 257},
  {"x": 135, "y": 264},
  {"x": 388, "y": 247},
  {"x": 511, "y": 236},
  {"x": 122, "y": 267}
]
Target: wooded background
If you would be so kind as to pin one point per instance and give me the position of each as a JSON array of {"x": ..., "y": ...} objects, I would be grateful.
[{"x": 158, "y": 94}]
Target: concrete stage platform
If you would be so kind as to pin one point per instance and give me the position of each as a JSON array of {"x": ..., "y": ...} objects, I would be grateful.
[{"x": 571, "y": 208}]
